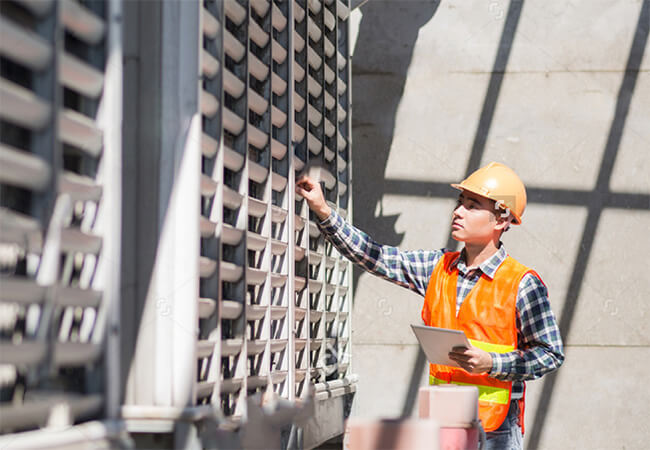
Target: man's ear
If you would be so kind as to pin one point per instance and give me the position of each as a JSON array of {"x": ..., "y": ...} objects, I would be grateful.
[{"x": 503, "y": 223}]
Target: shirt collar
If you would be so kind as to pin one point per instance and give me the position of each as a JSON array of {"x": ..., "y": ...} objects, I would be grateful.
[{"x": 488, "y": 267}]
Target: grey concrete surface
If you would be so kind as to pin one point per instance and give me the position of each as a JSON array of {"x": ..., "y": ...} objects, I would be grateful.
[{"x": 559, "y": 91}]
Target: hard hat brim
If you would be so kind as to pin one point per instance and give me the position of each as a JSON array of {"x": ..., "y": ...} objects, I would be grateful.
[{"x": 516, "y": 219}]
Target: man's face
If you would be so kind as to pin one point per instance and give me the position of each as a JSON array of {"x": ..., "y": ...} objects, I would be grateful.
[{"x": 474, "y": 220}]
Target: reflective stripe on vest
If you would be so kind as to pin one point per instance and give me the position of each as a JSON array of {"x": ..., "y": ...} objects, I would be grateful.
[
  {"x": 485, "y": 393},
  {"x": 490, "y": 394}
]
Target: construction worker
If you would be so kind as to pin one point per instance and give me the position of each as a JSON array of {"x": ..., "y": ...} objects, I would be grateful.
[{"x": 500, "y": 304}]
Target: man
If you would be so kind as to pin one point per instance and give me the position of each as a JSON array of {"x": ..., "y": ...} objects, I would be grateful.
[{"x": 501, "y": 304}]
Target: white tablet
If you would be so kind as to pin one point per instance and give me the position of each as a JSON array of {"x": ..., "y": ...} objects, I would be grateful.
[{"x": 438, "y": 342}]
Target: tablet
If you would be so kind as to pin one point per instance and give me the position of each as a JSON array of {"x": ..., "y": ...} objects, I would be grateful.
[{"x": 438, "y": 342}]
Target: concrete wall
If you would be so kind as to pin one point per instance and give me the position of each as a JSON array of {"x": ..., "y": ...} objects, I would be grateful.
[{"x": 560, "y": 91}]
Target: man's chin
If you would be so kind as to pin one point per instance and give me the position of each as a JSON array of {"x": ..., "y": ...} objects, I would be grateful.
[{"x": 457, "y": 236}]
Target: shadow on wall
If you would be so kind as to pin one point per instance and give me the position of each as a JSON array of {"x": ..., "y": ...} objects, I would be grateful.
[{"x": 382, "y": 56}]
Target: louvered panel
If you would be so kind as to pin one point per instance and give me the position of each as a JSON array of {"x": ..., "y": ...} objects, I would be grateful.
[
  {"x": 255, "y": 312},
  {"x": 314, "y": 32},
  {"x": 257, "y": 103},
  {"x": 232, "y": 160},
  {"x": 278, "y": 149},
  {"x": 257, "y": 172},
  {"x": 329, "y": 75},
  {"x": 21, "y": 229},
  {"x": 211, "y": 26},
  {"x": 314, "y": 144},
  {"x": 255, "y": 242},
  {"x": 329, "y": 48},
  {"x": 298, "y": 42},
  {"x": 208, "y": 145},
  {"x": 23, "y": 46},
  {"x": 278, "y": 182},
  {"x": 233, "y": 85},
  {"x": 22, "y": 169},
  {"x": 79, "y": 131},
  {"x": 256, "y": 208},
  {"x": 233, "y": 47},
  {"x": 314, "y": 115},
  {"x": 231, "y": 199},
  {"x": 231, "y": 235},
  {"x": 230, "y": 272},
  {"x": 328, "y": 19},
  {"x": 261, "y": 7},
  {"x": 277, "y": 313},
  {"x": 278, "y": 247},
  {"x": 298, "y": 164},
  {"x": 257, "y": 34},
  {"x": 279, "y": 52},
  {"x": 22, "y": 107},
  {"x": 255, "y": 276},
  {"x": 77, "y": 75},
  {"x": 79, "y": 188},
  {"x": 298, "y": 132},
  {"x": 208, "y": 186},
  {"x": 232, "y": 122},
  {"x": 340, "y": 61},
  {"x": 279, "y": 21},
  {"x": 278, "y": 280},
  {"x": 69, "y": 354},
  {"x": 278, "y": 215},
  {"x": 340, "y": 140},
  {"x": 37, "y": 7},
  {"x": 329, "y": 128},
  {"x": 314, "y": 87},
  {"x": 341, "y": 86},
  {"x": 298, "y": 12},
  {"x": 329, "y": 100},
  {"x": 298, "y": 102},
  {"x": 23, "y": 353},
  {"x": 81, "y": 22},
  {"x": 207, "y": 267},
  {"x": 315, "y": 61},
  {"x": 209, "y": 104},
  {"x": 21, "y": 290},
  {"x": 299, "y": 72},
  {"x": 235, "y": 12},
  {"x": 257, "y": 137},
  {"x": 314, "y": 6},
  {"x": 230, "y": 310},
  {"x": 258, "y": 69},
  {"x": 278, "y": 84},
  {"x": 342, "y": 10},
  {"x": 209, "y": 64},
  {"x": 278, "y": 117}
]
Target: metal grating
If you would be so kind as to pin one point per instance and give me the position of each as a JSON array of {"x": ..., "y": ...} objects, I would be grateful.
[
  {"x": 274, "y": 300},
  {"x": 58, "y": 148}
]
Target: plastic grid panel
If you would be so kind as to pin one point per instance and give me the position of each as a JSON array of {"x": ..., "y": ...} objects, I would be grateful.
[
  {"x": 53, "y": 218},
  {"x": 274, "y": 299}
]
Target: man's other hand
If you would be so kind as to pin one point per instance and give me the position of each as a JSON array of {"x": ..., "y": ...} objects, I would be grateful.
[
  {"x": 473, "y": 359},
  {"x": 311, "y": 191}
]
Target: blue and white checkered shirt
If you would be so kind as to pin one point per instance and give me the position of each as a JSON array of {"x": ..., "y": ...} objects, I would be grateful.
[{"x": 539, "y": 348}]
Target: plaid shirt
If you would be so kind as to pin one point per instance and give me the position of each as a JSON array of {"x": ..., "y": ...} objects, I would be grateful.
[{"x": 539, "y": 348}]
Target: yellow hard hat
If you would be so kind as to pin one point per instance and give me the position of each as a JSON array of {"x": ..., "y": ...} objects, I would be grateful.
[{"x": 499, "y": 183}]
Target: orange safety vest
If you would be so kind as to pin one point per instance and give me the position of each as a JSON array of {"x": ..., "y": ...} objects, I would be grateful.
[{"x": 488, "y": 317}]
